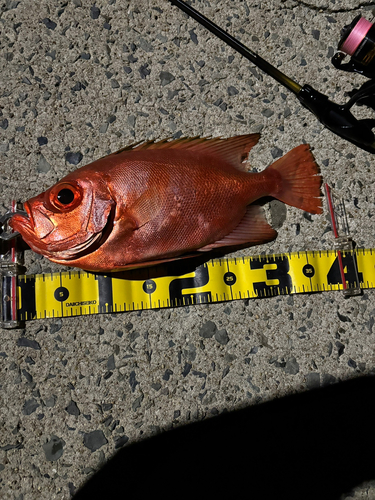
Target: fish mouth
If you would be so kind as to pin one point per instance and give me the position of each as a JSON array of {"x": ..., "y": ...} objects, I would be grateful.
[
  {"x": 25, "y": 215},
  {"x": 9, "y": 215},
  {"x": 23, "y": 222},
  {"x": 20, "y": 221}
]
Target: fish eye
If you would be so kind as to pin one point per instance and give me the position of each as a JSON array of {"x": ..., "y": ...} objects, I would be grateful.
[{"x": 65, "y": 196}]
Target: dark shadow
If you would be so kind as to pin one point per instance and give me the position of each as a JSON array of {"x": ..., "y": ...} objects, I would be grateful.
[
  {"x": 314, "y": 445},
  {"x": 177, "y": 267}
]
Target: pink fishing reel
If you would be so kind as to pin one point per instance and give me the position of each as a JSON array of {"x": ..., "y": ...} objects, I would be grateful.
[{"x": 358, "y": 42}]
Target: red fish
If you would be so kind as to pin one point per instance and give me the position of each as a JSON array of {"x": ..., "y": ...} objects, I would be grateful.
[{"x": 161, "y": 200}]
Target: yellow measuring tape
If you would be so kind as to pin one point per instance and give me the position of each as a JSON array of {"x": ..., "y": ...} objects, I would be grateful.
[{"x": 77, "y": 293}]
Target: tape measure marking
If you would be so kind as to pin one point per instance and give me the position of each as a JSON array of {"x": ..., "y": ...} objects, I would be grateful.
[{"x": 74, "y": 293}]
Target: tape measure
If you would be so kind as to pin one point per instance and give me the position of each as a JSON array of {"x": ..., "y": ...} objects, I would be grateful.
[{"x": 76, "y": 293}]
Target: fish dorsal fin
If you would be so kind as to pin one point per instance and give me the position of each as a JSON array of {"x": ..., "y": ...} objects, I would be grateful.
[
  {"x": 235, "y": 150},
  {"x": 252, "y": 230}
]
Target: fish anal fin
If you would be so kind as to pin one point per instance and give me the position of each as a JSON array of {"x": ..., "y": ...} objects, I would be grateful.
[{"x": 253, "y": 229}]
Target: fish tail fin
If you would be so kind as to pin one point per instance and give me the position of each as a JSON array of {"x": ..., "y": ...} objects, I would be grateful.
[{"x": 298, "y": 181}]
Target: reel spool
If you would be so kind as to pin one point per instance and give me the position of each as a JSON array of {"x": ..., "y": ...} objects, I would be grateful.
[{"x": 358, "y": 42}]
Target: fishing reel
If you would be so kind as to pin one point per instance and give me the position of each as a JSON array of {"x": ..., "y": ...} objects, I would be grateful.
[{"x": 358, "y": 42}]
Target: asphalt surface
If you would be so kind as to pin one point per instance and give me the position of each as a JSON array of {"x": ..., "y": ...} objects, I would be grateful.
[{"x": 79, "y": 80}]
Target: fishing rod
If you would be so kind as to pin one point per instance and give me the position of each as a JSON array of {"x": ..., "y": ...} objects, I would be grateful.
[{"x": 358, "y": 41}]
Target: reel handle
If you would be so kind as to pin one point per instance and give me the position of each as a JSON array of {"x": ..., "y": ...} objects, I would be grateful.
[{"x": 337, "y": 118}]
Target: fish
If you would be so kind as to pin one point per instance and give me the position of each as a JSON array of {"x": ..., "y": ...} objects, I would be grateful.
[{"x": 163, "y": 200}]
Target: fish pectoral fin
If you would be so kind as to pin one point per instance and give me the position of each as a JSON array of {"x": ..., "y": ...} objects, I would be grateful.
[
  {"x": 146, "y": 207},
  {"x": 252, "y": 230}
]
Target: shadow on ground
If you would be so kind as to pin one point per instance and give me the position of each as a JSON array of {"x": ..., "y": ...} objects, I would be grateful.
[{"x": 318, "y": 444}]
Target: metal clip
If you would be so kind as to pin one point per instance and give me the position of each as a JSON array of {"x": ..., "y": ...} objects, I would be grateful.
[
  {"x": 11, "y": 266},
  {"x": 4, "y": 234},
  {"x": 343, "y": 242}
]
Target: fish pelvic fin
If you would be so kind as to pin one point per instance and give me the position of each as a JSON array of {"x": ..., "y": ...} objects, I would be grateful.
[
  {"x": 298, "y": 182},
  {"x": 234, "y": 150},
  {"x": 253, "y": 229}
]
